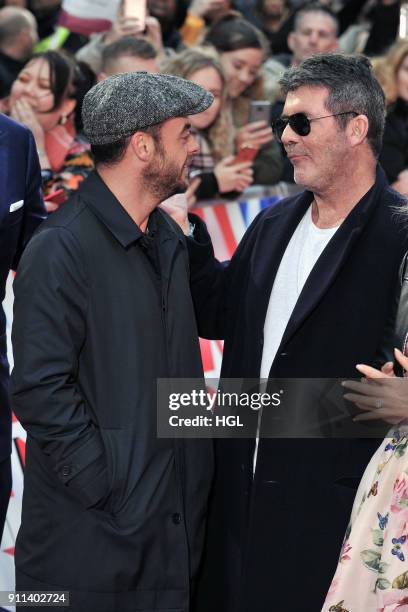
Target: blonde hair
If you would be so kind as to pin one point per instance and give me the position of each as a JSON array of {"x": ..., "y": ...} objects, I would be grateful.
[
  {"x": 220, "y": 134},
  {"x": 386, "y": 69}
]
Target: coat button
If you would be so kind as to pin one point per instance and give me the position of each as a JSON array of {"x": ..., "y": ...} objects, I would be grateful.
[
  {"x": 66, "y": 470},
  {"x": 176, "y": 518}
]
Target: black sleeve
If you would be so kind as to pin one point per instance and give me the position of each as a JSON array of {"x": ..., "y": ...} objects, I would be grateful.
[
  {"x": 208, "y": 188},
  {"x": 213, "y": 283},
  {"x": 395, "y": 328},
  {"x": 394, "y": 148},
  {"x": 49, "y": 331}
]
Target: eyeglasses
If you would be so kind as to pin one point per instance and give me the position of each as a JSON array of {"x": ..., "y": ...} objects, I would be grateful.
[{"x": 300, "y": 123}]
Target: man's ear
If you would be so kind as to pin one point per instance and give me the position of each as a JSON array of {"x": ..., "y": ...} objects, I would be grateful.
[
  {"x": 143, "y": 146},
  {"x": 101, "y": 76},
  {"x": 358, "y": 129}
]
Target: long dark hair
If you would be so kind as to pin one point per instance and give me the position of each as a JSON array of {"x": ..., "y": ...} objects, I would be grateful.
[
  {"x": 68, "y": 79},
  {"x": 232, "y": 32}
]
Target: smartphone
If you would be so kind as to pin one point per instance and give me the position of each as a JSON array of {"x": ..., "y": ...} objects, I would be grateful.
[
  {"x": 136, "y": 9},
  {"x": 260, "y": 110},
  {"x": 245, "y": 154},
  {"x": 58, "y": 197}
]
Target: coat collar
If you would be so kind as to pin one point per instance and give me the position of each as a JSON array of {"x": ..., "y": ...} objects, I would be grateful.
[
  {"x": 111, "y": 213},
  {"x": 274, "y": 236},
  {"x": 109, "y": 210}
]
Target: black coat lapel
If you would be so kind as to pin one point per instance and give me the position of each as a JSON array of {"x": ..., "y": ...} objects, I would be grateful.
[
  {"x": 269, "y": 248},
  {"x": 333, "y": 258}
]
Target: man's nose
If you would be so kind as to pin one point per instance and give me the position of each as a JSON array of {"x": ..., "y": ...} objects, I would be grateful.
[
  {"x": 194, "y": 145},
  {"x": 289, "y": 136}
]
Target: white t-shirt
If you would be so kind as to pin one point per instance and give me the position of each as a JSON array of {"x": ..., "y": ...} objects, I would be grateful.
[{"x": 304, "y": 249}]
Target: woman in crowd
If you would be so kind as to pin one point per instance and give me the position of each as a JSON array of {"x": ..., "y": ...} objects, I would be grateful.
[
  {"x": 214, "y": 131},
  {"x": 372, "y": 573},
  {"x": 46, "y": 97},
  {"x": 242, "y": 49},
  {"x": 392, "y": 73}
]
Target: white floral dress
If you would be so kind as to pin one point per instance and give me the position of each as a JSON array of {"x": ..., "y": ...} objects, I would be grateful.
[{"x": 372, "y": 573}]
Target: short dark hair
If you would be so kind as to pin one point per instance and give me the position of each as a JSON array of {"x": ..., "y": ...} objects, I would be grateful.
[
  {"x": 113, "y": 152},
  {"x": 12, "y": 26},
  {"x": 352, "y": 86},
  {"x": 315, "y": 7},
  {"x": 127, "y": 46}
]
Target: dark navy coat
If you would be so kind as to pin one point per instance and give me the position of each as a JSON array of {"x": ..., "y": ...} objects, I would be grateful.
[{"x": 21, "y": 210}]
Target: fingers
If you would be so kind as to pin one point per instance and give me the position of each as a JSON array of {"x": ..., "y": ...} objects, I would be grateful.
[
  {"x": 51, "y": 206},
  {"x": 193, "y": 186},
  {"x": 369, "y": 371},
  {"x": 402, "y": 360},
  {"x": 259, "y": 138},
  {"x": 388, "y": 368},
  {"x": 255, "y": 126},
  {"x": 243, "y": 167},
  {"x": 367, "y": 401},
  {"x": 361, "y": 387},
  {"x": 227, "y": 161}
]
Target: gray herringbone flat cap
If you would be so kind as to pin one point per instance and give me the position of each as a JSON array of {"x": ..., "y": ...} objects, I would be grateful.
[{"x": 124, "y": 103}]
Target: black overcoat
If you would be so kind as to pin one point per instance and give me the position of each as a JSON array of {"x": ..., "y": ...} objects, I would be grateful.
[
  {"x": 111, "y": 512},
  {"x": 273, "y": 541}
]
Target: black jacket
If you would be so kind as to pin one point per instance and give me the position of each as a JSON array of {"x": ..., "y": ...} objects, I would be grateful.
[
  {"x": 394, "y": 152},
  {"x": 396, "y": 332},
  {"x": 401, "y": 327},
  {"x": 111, "y": 512},
  {"x": 274, "y": 541}
]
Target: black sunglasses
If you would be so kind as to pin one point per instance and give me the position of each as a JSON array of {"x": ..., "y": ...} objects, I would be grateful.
[{"x": 300, "y": 123}]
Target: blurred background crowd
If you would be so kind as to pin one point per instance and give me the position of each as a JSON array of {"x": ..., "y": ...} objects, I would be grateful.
[{"x": 237, "y": 49}]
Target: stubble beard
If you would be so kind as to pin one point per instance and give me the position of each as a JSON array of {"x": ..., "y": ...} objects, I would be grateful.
[{"x": 163, "y": 178}]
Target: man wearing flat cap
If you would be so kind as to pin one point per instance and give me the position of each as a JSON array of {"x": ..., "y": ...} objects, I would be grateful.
[{"x": 112, "y": 513}]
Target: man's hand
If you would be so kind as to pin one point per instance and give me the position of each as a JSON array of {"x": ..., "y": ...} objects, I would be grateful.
[
  {"x": 177, "y": 206},
  {"x": 23, "y": 113},
  {"x": 123, "y": 26},
  {"x": 154, "y": 33},
  {"x": 381, "y": 395},
  {"x": 253, "y": 135},
  {"x": 233, "y": 177}
]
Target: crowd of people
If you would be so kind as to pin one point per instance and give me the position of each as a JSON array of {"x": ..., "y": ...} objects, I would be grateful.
[
  {"x": 117, "y": 285},
  {"x": 250, "y": 54}
]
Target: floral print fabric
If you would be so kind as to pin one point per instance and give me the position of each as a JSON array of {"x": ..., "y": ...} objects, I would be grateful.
[{"x": 372, "y": 572}]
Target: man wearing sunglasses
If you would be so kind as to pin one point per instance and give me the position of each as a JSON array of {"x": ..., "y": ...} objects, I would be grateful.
[{"x": 307, "y": 294}]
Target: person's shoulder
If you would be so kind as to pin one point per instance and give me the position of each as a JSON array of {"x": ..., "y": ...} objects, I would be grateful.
[
  {"x": 59, "y": 238},
  {"x": 10, "y": 126},
  {"x": 393, "y": 214},
  {"x": 68, "y": 215},
  {"x": 394, "y": 199}
]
